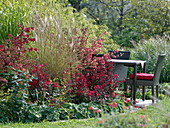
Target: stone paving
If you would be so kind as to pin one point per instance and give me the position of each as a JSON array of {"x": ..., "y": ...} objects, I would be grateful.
[{"x": 142, "y": 103}]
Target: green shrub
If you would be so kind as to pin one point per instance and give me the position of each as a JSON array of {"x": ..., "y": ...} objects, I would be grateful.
[
  {"x": 56, "y": 29},
  {"x": 16, "y": 104},
  {"x": 12, "y": 14},
  {"x": 14, "y": 96},
  {"x": 56, "y": 25},
  {"x": 149, "y": 50},
  {"x": 13, "y": 110}
]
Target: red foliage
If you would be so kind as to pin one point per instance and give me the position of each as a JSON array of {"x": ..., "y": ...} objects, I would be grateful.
[
  {"x": 94, "y": 78},
  {"x": 14, "y": 54}
]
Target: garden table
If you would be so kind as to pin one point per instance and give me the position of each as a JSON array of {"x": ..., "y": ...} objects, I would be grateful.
[{"x": 134, "y": 64}]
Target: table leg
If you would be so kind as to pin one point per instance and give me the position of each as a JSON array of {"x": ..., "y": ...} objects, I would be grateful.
[
  {"x": 143, "y": 93},
  {"x": 134, "y": 84},
  {"x": 144, "y": 68},
  {"x": 143, "y": 88}
]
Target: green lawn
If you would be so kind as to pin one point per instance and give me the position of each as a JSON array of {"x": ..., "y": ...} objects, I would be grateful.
[{"x": 85, "y": 123}]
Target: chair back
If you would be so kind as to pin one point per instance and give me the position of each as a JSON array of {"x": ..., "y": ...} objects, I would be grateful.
[
  {"x": 97, "y": 55},
  {"x": 125, "y": 55},
  {"x": 120, "y": 69},
  {"x": 158, "y": 69}
]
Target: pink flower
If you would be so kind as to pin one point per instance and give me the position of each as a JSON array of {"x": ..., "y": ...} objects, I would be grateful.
[
  {"x": 32, "y": 28},
  {"x": 48, "y": 82},
  {"x": 3, "y": 80},
  {"x": 1, "y": 46},
  {"x": 35, "y": 49},
  {"x": 9, "y": 40},
  {"x": 97, "y": 87},
  {"x": 113, "y": 104},
  {"x": 34, "y": 83},
  {"x": 80, "y": 91},
  {"x": 141, "y": 116},
  {"x": 28, "y": 29},
  {"x": 114, "y": 95},
  {"x": 100, "y": 121},
  {"x": 91, "y": 93},
  {"x": 99, "y": 40},
  {"x": 137, "y": 101},
  {"x": 91, "y": 108},
  {"x": 20, "y": 65},
  {"x": 20, "y": 25},
  {"x": 31, "y": 49},
  {"x": 98, "y": 94},
  {"x": 9, "y": 35},
  {"x": 31, "y": 39},
  {"x": 22, "y": 34},
  {"x": 41, "y": 65},
  {"x": 97, "y": 111},
  {"x": 127, "y": 101},
  {"x": 56, "y": 85},
  {"x": 125, "y": 107},
  {"x": 136, "y": 106},
  {"x": 104, "y": 33}
]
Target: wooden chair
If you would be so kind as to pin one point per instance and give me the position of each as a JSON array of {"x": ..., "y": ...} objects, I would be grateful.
[
  {"x": 120, "y": 69},
  {"x": 144, "y": 79}
]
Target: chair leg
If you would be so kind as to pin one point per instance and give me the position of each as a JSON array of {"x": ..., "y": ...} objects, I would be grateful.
[
  {"x": 152, "y": 93},
  {"x": 131, "y": 96},
  {"x": 143, "y": 93},
  {"x": 157, "y": 93},
  {"x": 125, "y": 89}
]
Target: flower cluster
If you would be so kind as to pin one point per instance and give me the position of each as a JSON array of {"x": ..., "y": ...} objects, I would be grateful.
[{"x": 96, "y": 110}]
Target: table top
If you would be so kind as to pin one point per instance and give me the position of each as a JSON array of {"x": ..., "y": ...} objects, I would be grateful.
[{"x": 130, "y": 62}]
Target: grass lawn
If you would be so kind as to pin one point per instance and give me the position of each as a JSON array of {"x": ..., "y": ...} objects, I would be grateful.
[
  {"x": 157, "y": 116},
  {"x": 85, "y": 123},
  {"x": 154, "y": 116}
]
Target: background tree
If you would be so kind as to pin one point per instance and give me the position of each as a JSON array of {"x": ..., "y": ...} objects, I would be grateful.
[{"x": 130, "y": 19}]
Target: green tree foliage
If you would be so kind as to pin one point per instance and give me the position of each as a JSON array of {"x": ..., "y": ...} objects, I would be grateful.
[
  {"x": 131, "y": 19},
  {"x": 153, "y": 17}
]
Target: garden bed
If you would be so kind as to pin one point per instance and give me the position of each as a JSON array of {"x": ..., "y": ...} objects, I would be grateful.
[{"x": 157, "y": 115}]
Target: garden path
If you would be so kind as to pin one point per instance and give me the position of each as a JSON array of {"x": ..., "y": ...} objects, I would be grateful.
[{"x": 142, "y": 103}]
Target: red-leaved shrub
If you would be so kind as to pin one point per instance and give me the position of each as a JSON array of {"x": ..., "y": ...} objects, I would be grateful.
[
  {"x": 94, "y": 79},
  {"x": 14, "y": 54}
]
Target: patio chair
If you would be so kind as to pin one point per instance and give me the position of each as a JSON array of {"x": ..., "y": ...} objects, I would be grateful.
[
  {"x": 120, "y": 69},
  {"x": 144, "y": 79}
]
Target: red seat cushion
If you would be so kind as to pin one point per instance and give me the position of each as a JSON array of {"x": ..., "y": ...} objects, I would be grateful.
[{"x": 142, "y": 76}]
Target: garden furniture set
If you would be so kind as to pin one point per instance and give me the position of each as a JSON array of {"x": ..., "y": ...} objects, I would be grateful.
[{"x": 121, "y": 64}]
